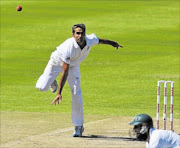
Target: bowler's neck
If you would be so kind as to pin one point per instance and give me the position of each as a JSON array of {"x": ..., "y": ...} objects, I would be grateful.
[{"x": 82, "y": 45}]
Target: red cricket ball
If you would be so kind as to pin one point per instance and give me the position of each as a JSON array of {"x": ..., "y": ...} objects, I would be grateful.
[{"x": 19, "y": 8}]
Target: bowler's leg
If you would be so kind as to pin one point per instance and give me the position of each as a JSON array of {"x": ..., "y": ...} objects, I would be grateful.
[
  {"x": 49, "y": 75},
  {"x": 77, "y": 102}
]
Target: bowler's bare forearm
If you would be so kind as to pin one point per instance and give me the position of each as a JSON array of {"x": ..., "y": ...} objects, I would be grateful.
[
  {"x": 63, "y": 77},
  {"x": 109, "y": 42},
  {"x": 104, "y": 41}
]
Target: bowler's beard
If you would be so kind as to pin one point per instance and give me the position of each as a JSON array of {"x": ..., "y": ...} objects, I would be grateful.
[{"x": 81, "y": 43}]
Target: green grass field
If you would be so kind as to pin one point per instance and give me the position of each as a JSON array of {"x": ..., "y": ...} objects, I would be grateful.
[{"x": 114, "y": 82}]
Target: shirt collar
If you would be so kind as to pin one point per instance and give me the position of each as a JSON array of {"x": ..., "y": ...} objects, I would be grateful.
[{"x": 75, "y": 43}]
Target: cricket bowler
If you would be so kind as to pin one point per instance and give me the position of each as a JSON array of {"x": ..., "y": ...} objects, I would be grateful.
[{"x": 65, "y": 60}]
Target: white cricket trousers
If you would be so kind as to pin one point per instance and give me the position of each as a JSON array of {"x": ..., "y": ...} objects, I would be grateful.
[{"x": 52, "y": 70}]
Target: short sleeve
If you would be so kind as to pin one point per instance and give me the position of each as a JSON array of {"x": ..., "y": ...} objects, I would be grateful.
[{"x": 94, "y": 40}]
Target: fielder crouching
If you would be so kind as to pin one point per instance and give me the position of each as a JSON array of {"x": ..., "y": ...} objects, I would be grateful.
[
  {"x": 65, "y": 60},
  {"x": 145, "y": 131}
]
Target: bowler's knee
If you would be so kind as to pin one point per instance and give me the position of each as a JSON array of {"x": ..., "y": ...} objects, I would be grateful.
[{"x": 42, "y": 88}]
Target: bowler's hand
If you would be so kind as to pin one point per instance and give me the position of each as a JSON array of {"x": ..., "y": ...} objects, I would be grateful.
[
  {"x": 58, "y": 97},
  {"x": 109, "y": 42},
  {"x": 115, "y": 44}
]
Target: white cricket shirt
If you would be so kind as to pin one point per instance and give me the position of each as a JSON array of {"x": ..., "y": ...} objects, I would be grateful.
[
  {"x": 70, "y": 52},
  {"x": 163, "y": 139}
]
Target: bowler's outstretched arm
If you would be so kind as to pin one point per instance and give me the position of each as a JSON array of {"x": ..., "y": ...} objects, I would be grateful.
[{"x": 109, "y": 42}]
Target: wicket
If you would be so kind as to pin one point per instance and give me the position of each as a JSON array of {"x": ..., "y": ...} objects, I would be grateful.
[{"x": 165, "y": 104}]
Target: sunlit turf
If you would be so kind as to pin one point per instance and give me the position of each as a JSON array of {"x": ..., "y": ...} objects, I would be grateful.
[{"x": 114, "y": 82}]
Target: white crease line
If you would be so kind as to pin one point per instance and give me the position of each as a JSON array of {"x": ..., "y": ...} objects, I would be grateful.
[
  {"x": 48, "y": 133},
  {"x": 59, "y": 131},
  {"x": 72, "y": 128}
]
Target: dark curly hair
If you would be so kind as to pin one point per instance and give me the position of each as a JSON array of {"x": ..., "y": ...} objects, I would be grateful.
[{"x": 82, "y": 26}]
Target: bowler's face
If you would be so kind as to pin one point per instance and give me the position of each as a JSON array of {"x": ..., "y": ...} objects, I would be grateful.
[{"x": 79, "y": 35}]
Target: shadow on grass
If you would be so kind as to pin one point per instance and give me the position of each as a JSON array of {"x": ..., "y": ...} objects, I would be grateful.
[{"x": 91, "y": 137}]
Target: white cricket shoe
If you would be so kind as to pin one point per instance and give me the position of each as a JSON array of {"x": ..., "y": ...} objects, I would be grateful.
[
  {"x": 54, "y": 86},
  {"x": 78, "y": 131}
]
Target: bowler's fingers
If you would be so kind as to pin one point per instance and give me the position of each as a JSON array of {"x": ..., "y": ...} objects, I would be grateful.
[
  {"x": 117, "y": 46},
  {"x": 53, "y": 103},
  {"x": 120, "y": 46},
  {"x": 56, "y": 100}
]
